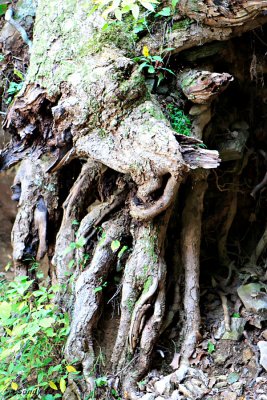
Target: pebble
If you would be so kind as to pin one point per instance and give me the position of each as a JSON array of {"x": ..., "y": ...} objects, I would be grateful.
[
  {"x": 228, "y": 395},
  {"x": 221, "y": 384},
  {"x": 175, "y": 395},
  {"x": 247, "y": 354},
  {"x": 148, "y": 396}
]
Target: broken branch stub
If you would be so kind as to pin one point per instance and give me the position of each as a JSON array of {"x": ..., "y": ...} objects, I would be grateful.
[{"x": 202, "y": 87}]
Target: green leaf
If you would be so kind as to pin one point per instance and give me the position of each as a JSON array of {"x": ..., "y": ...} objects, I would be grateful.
[
  {"x": 97, "y": 289},
  {"x": 80, "y": 242},
  {"x": 135, "y": 11},
  {"x": 211, "y": 347},
  {"x": 115, "y": 245},
  {"x": 160, "y": 78},
  {"x": 118, "y": 14},
  {"x": 3, "y": 8},
  {"x": 151, "y": 69},
  {"x": 5, "y": 310},
  {"x": 236, "y": 315},
  {"x": 148, "y": 5},
  {"x": 157, "y": 58},
  {"x": 174, "y": 3},
  {"x": 165, "y": 12},
  {"x": 143, "y": 65},
  {"x": 47, "y": 322},
  {"x": 101, "y": 381},
  {"x": 19, "y": 74},
  {"x": 122, "y": 251}
]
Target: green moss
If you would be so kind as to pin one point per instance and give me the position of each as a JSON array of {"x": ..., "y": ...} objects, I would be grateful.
[
  {"x": 183, "y": 24},
  {"x": 147, "y": 284},
  {"x": 116, "y": 34},
  {"x": 130, "y": 305}
]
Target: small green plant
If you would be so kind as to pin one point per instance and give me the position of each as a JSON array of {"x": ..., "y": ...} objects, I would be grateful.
[
  {"x": 179, "y": 121},
  {"x": 33, "y": 334},
  {"x": 101, "y": 286},
  {"x": 168, "y": 11},
  {"x": 78, "y": 244},
  {"x": 102, "y": 383},
  {"x": 3, "y": 8},
  {"x": 154, "y": 64},
  {"x": 211, "y": 347},
  {"x": 236, "y": 315},
  {"x": 15, "y": 87}
]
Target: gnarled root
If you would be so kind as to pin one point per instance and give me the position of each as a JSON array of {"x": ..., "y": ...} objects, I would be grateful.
[
  {"x": 79, "y": 345},
  {"x": 142, "y": 305},
  {"x": 29, "y": 233},
  {"x": 78, "y": 199}
]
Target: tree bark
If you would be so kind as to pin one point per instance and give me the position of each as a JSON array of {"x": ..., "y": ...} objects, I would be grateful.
[{"x": 86, "y": 102}]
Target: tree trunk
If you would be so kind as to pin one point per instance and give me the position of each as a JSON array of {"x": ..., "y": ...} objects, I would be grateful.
[{"x": 94, "y": 140}]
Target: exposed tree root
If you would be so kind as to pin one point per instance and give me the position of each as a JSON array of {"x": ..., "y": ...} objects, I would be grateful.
[
  {"x": 148, "y": 329},
  {"x": 190, "y": 248},
  {"x": 79, "y": 345},
  {"x": 231, "y": 212},
  {"x": 260, "y": 248},
  {"x": 78, "y": 199},
  {"x": 29, "y": 234}
]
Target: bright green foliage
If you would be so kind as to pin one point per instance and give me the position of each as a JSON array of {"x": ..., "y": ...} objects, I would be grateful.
[
  {"x": 154, "y": 64},
  {"x": 15, "y": 87},
  {"x": 122, "y": 7},
  {"x": 3, "y": 8},
  {"x": 168, "y": 11},
  {"x": 179, "y": 121},
  {"x": 211, "y": 347},
  {"x": 33, "y": 334}
]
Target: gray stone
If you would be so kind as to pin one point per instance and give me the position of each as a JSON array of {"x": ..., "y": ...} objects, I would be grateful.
[
  {"x": 263, "y": 353},
  {"x": 237, "y": 329},
  {"x": 254, "y": 297},
  {"x": 163, "y": 386},
  {"x": 227, "y": 395},
  {"x": 175, "y": 395},
  {"x": 148, "y": 396}
]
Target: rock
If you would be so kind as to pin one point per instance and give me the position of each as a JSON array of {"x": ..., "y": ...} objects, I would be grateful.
[
  {"x": 220, "y": 331},
  {"x": 237, "y": 329},
  {"x": 263, "y": 353},
  {"x": 254, "y": 297},
  {"x": 163, "y": 386},
  {"x": 247, "y": 354},
  {"x": 148, "y": 396},
  {"x": 227, "y": 395},
  {"x": 164, "y": 89},
  {"x": 220, "y": 385},
  {"x": 238, "y": 388},
  {"x": 198, "y": 109},
  {"x": 220, "y": 359},
  {"x": 175, "y": 395},
  {"x": 264, "y": 334},
  {"x": 183, "y": 389},
  {"x": 233, "y": 377}
]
